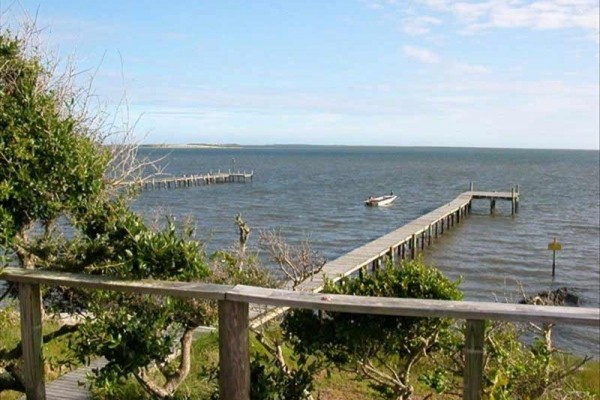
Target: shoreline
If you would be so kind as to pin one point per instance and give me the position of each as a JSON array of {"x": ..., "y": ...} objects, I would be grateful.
[
  {"x": 191, "y": 146},
  {"x": 313, "y": 146}
]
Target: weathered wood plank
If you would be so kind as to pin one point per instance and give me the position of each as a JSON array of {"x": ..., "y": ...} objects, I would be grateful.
[
  {"x": 187, "y": 181},
  {"x": 68, "y": 387},
  {"x": 415, "y": 307},
  {"x": 155, "y": 287},
  {"x": 31, "y": 338},
  {"x": 473, "y": 372},
  {"x": 234, "y": 351}
]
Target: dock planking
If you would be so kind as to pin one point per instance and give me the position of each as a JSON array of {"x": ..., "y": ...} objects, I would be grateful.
[{"x": 72, "y": 385}]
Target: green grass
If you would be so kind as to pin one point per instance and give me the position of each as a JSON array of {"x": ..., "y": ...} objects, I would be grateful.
[
  {"x": 587, "y": 379},
  {"x": 58, "y": 360}
]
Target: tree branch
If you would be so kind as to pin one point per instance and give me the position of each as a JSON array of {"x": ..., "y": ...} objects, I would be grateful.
[
  {"x": 174, "y": 380},
  {"x": 10, "y": 379},
  {"x": 150, "y": 386}
]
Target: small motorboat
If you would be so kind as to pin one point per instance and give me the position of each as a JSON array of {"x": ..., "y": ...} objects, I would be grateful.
[{"x": 380, "y": 201}]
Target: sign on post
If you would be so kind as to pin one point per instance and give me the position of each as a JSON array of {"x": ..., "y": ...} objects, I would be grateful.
[{"x": 554, "y": 246}]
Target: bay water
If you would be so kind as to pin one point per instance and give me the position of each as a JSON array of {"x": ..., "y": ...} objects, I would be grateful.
[{"x": 317, "y": 193}]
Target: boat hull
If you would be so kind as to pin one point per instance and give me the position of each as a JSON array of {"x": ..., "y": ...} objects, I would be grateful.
[{"x": 380, "y": 201}]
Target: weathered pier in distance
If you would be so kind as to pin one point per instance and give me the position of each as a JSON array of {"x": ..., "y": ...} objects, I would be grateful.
[{"x": 173, "y": 182}]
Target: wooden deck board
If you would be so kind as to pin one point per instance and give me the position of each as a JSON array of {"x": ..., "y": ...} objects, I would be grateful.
[{"x": 67, "y": 387}]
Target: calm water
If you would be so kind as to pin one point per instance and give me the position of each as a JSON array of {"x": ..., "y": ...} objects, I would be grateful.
[{"x": 317, "y": 192}]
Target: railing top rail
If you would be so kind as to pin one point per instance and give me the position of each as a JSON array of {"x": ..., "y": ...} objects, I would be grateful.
[
  {"x": 341, "y": 303},
  {"x": 415, "y": 307},
  {"x": 85, "y": 281}
]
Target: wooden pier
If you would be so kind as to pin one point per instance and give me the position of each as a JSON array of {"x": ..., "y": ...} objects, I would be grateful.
[
  {"x": 404, "y": 243},
  {"x": 173, "y": 182},
  {"x": 407, "y": 241}
]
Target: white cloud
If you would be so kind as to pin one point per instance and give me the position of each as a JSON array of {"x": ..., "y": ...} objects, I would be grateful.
[
  {"x": 419, "y": 25},
  {"x": 455, "y": 100},
  {"x": 542, "y": 15},
  {"x": 422, "y": 55},
  {"x": 471, "y": 68}
]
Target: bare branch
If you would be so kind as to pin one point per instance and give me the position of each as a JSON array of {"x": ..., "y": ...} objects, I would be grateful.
[{"x": 297, "y": 262}]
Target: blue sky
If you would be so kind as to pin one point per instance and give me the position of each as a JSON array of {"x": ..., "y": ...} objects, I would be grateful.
[{"x": 498, "y": 73}]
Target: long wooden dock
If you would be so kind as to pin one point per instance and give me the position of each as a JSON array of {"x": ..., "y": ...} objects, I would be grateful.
[
  {"x": 173, "y": 182},
  {"x": 401, "y": 244},
  {"x": 408, "y": 240}
]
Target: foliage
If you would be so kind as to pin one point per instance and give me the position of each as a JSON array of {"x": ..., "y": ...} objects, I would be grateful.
[
  {"x": 269, "y": 382},
  {"x": 520, "y": 363},
  {"x": 148, "y": 337},
  {"x": 383, "y": 349},
  {"x": 49, "y": 162},
  {"x": 58, "y": 359},
  {"x": 271, "y": 376},
  {"x": 225, "y": 269},
  {"x": 56, "y": 175},
  {"x": 523, "y": 368}
]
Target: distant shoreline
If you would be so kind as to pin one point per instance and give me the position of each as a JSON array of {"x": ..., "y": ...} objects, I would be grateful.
[
  {"x": 312, "y": 146},
  {"x": 192, "y": 146}
]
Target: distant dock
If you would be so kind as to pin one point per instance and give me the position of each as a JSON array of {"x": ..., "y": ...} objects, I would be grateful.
[{"x": 184, "y": 181}]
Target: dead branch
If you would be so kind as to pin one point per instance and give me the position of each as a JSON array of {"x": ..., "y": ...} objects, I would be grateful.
[
  {"x": 297, "y": 262},
  {"x": 275, "y": 350}
]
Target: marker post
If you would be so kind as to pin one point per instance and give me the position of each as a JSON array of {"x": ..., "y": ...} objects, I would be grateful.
[{"x": 554, "y": 246}]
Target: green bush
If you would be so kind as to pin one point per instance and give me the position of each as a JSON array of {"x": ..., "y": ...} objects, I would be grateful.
[{"x": 383, "y": 349}]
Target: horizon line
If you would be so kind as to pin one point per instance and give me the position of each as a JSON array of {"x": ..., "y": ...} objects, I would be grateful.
[{"x": 238, "y": 145}]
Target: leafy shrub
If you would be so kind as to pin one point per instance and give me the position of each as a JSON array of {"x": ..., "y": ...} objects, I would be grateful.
[{"x": 383, "y": 349}]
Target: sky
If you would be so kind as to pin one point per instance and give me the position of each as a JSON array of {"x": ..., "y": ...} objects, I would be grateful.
[{"x": 497, "y": 73}]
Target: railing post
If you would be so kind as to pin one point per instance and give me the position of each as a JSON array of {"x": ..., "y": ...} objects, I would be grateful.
[
  {"x": 473, "y": 373},
  {"x": 234, "y": 352},
  {"x": 31, "y": 339}
]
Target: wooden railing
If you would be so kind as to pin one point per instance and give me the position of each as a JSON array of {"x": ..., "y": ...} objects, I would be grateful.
[{"x": 233, "y": 301}]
